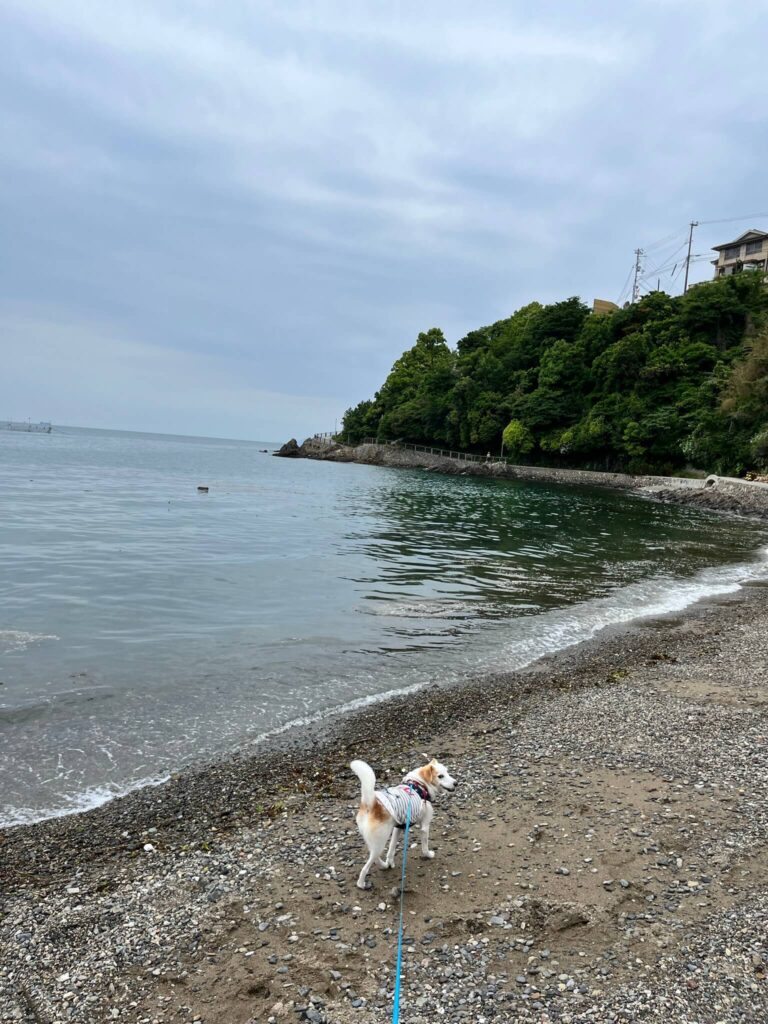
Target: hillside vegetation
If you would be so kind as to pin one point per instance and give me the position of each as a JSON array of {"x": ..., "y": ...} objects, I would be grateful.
[{"x": 662, "y": 384}]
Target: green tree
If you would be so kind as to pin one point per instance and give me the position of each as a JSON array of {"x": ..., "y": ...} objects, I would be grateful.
[
  {"x": 664, "y": 382},
  {"x": 518, "y": 440}
]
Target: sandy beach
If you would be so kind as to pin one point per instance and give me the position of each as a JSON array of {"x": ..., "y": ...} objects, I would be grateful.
[{"x": 603, "y": 859}]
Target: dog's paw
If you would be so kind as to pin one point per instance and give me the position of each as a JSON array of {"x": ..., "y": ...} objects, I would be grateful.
[
  {"x": 365, "y": 886},
  {"x": 428, "y": 855}
]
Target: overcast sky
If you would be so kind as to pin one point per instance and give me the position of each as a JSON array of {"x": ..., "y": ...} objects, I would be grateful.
[{"x": 231, "y": 218}]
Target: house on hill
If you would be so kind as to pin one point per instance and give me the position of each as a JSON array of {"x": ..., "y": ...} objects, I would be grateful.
[{"x": 747, "y": 252}]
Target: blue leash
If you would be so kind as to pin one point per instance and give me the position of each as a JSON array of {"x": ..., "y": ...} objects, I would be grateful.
[{"x": 396, "y": 1004}]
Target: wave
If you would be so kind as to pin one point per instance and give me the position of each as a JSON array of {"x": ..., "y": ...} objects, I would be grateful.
[
  {"x": 649, "y": 599},
  {"x": 557, "y": 630},
  {"x": 45, "y": 704},
  {"x": 12, "y": 640},
  {"x": 88, "y": 800}
]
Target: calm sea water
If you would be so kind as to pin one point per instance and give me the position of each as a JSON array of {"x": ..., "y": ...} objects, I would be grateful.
[{"x": 144, "y": 626}]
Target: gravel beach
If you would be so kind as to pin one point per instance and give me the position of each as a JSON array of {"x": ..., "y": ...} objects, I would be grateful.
[{"x": 604, "y": 858}]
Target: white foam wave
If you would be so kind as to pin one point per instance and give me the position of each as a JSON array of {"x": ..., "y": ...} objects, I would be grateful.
[
  {"x": 427, "y": 608},
  {"x": 90, "y": 798},
  {"x": 18, "y": 640},
  {"x": 559, "y": 629}
]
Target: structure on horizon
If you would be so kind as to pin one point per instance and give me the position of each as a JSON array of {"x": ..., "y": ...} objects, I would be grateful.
[
  {"x": 603, "y": 306},
  {"x": 747, "y": 252}
]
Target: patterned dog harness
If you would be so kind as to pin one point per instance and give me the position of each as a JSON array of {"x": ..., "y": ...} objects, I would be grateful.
[{"x": 396, "y": 799}]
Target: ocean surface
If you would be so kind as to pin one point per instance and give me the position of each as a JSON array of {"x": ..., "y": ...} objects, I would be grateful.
[{"x": 145, "y": 626}]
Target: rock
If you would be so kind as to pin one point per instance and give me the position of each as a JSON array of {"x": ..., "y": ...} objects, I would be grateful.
[
  {"x": 567, "y": 918},
  {"x": 290, "y": 450},
  {"x": 313, "y": 1015}
]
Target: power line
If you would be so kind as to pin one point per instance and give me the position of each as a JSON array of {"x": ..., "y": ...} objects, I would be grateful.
[
  {"x": 669, "y": 260},
  {"x": 730, "y": 220},
  {"x": 661, "y": 242},
  {"x": 625, "y": 286},
  {"x": 666, "y": 262}
]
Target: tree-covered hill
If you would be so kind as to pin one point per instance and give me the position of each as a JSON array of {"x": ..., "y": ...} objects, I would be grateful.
[{"x": 656, "y": 386}]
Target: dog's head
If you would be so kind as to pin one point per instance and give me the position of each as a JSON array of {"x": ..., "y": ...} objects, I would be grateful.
[{"x": 435, "y": 776}]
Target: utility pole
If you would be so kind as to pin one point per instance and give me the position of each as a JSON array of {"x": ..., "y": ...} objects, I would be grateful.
[
  {"x": 638, "y": 265},
  {"x": 694, "y": 224}
]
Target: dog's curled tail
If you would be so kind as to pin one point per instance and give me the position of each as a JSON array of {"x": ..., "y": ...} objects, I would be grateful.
[{"x": 364, "y": 772}]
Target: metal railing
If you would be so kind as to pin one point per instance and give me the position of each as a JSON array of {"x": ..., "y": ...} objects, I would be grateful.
[
  {"x": 445, "y": 453},
  {"x": 425, "y": 449}
]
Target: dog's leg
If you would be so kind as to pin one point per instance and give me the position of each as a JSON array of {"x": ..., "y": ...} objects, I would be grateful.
[
  {"x": 376, "y": 840},
  {"x": 425, "y": 823},
  {"x": 361, "y": 881},
  {"x": 383, "y": 862},
  {"x": 390, "y": 861}
]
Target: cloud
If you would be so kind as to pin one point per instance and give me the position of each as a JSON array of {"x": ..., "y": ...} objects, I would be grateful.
[
  {"x": 65, "y": 369},
  {"x": 296, "y": 190}
]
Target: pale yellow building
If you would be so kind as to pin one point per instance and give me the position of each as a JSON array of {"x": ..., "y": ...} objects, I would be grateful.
[
  {"x": 747, "y": 252},
  {"x": 603, "y": 306}
]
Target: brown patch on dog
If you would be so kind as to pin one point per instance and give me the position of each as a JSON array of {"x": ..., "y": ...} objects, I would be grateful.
[
  {"x": 377, "y": 812},
  {"x": 428, "y": 773}
]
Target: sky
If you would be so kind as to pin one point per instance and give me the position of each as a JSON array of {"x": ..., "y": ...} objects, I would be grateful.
[{"x": 229, "y": 219}]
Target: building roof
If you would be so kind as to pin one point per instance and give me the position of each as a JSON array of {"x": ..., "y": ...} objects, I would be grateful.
[{"x": 749, "y": 236}]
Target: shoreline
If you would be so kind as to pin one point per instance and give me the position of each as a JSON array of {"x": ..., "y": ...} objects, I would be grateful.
[
  {"x": 725, "y": 495},
  {"x": 241, "y": 828},
  {"x": 300, "y": 732}
]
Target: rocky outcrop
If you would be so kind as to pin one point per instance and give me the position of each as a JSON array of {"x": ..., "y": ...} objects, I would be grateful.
[
  {"x": 290, "y": 450},
  {"x": 720, "y": 494}
]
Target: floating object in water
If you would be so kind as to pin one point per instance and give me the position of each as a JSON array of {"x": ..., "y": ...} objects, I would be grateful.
[{"x": 202, "y": 489}]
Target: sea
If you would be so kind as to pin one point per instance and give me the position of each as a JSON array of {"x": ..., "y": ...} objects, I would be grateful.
[{"x": 146, "y": 625}]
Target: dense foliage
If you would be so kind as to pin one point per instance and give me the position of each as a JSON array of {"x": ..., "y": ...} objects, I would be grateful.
[{"x": 662, "y": 384}]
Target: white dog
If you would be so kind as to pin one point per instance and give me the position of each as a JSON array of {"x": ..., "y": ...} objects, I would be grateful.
[{"x": 383, "y": 811}]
